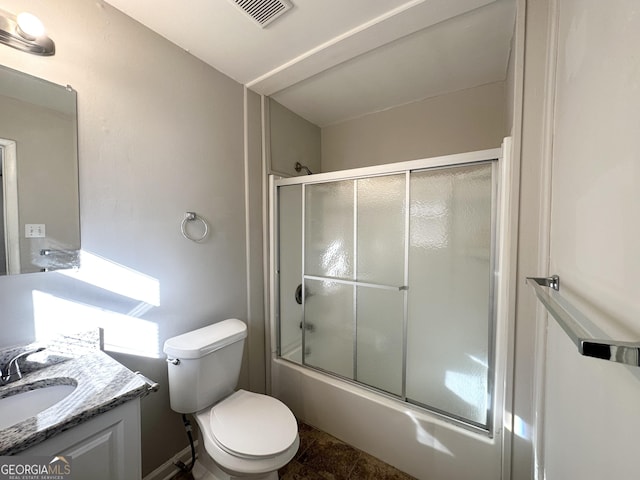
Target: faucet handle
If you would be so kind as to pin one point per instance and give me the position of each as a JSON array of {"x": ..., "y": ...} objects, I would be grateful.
[{"x": 15, "y": 365}]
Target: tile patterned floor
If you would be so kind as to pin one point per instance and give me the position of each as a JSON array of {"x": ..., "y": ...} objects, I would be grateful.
[{"x": 323, "y": 457}]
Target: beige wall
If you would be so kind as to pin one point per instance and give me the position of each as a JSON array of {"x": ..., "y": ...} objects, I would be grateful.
[
  {"x": 468, "y": 120},
  {"x": 160, "y": 133},
  {"x": 292, "y": 139},
  {"x": 254, "y": 191}
]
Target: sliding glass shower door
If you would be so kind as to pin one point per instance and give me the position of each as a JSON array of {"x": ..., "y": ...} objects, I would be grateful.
[
  {"x": 450, "y": 311},
  {"x": 354, "y": 273},
  {"x": 386, "y": 280},
  {"x": 329, "y": 271}
]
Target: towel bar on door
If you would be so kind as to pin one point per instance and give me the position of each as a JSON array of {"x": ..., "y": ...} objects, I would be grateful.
[{"x": 620, "y": 352}]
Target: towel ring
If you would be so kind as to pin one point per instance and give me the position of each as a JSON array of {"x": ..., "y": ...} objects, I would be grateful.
[{"x": 191, "y": 217}]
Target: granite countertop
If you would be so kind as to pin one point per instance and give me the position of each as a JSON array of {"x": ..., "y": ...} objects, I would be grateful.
[{"x": 101, "y": 385}]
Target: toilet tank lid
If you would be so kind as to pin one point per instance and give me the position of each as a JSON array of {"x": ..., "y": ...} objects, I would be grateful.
[{"x": 200, "y": 342}]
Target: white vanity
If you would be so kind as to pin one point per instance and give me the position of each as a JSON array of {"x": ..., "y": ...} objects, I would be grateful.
[
  {"x": 95, "y": 421},
  {"x": 107, "y": 447}
]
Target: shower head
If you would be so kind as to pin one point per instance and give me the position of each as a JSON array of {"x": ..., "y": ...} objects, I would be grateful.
[{"x": 300, "y": 167}]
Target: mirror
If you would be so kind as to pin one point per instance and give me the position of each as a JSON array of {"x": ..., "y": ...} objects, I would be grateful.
[{"x": 40, "y": 225}]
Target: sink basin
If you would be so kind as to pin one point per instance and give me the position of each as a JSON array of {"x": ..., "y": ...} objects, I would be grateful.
[{"x": 20, "y": 406}]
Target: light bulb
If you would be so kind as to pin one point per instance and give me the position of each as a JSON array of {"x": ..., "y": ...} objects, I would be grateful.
[{"x": 30, "y": 26}]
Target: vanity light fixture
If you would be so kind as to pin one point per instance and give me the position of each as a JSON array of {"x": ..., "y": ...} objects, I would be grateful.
[
  {"x": 29, "y": 26},
  {"x": 25, "y": 32}
]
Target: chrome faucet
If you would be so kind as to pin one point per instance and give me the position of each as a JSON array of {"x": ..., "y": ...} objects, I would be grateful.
[{"x": 13, "y": 372}]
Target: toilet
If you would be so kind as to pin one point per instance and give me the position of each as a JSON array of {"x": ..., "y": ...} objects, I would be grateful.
[{"x": 242, "y": 434}]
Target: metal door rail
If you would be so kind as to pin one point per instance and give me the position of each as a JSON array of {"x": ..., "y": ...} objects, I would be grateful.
[
  {"x": 356, "y": 283},
  {"x": 614, "y": 351}
]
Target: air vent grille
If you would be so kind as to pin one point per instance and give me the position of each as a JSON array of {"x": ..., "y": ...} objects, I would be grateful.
[{"x": 263, "y": 12}]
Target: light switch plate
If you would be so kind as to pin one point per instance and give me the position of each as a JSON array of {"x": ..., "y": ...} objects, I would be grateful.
[{"x": 34, "y": 230}]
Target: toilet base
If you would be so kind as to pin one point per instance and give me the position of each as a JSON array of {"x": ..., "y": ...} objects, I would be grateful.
[
  {"x": 206, "y": 469},
  {"x": 199, "y": 472}
]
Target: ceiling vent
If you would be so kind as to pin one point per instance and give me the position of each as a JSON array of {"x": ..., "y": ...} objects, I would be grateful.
[{"x": 263, "y": 12}]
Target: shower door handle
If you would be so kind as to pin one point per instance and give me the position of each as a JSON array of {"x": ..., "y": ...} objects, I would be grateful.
[{"x": 298, "y": 294}]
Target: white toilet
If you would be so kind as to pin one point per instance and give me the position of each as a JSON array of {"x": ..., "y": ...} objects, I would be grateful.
[{"x": 242, "y": 434}]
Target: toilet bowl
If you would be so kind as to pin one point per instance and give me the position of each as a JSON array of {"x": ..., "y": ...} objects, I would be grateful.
[
  {"x": 248, "y": 434},
  {"x": 242, "y": 434}
]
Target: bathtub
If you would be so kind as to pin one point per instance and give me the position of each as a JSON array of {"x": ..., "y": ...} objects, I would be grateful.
[{"x": 409, "y": 438}]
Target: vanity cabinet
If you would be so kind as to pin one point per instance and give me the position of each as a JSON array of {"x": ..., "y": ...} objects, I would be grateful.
[{"x": 107, "y": 447}]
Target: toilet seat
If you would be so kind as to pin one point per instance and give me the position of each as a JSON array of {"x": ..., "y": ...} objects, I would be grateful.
[
  {"x": 249, "y": 413},
  {"x": 250, "y": 425}
]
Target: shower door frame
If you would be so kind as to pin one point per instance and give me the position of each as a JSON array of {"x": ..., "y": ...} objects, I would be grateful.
[{"x": 501, "y": 329}]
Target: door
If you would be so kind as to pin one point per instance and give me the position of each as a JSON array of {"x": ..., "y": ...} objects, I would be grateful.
[{"x": 591, "y": 417}]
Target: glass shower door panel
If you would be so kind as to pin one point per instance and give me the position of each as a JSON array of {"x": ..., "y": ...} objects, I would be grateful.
[
  {"x": 290, "y": 269},
  {"x": 380, "y": 316},
  {"x": 328, "y": 233},
  {"x": 449, "y": 322},
  {"x": 381, "y": 229},
  {"x": 329, "y": 326}
]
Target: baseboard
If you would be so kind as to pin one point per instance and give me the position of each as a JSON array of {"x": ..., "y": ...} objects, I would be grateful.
[{"x": 168, "y": 469}]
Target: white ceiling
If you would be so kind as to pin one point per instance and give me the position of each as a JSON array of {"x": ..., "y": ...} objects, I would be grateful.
[{"x": 331, "y": 60}]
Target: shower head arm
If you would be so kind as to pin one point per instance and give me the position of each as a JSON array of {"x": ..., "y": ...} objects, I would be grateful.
[{"x": 300, "y": 167}]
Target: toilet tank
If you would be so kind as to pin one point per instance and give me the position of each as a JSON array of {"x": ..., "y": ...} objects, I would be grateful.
[{"x": 204, "y": 364}]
